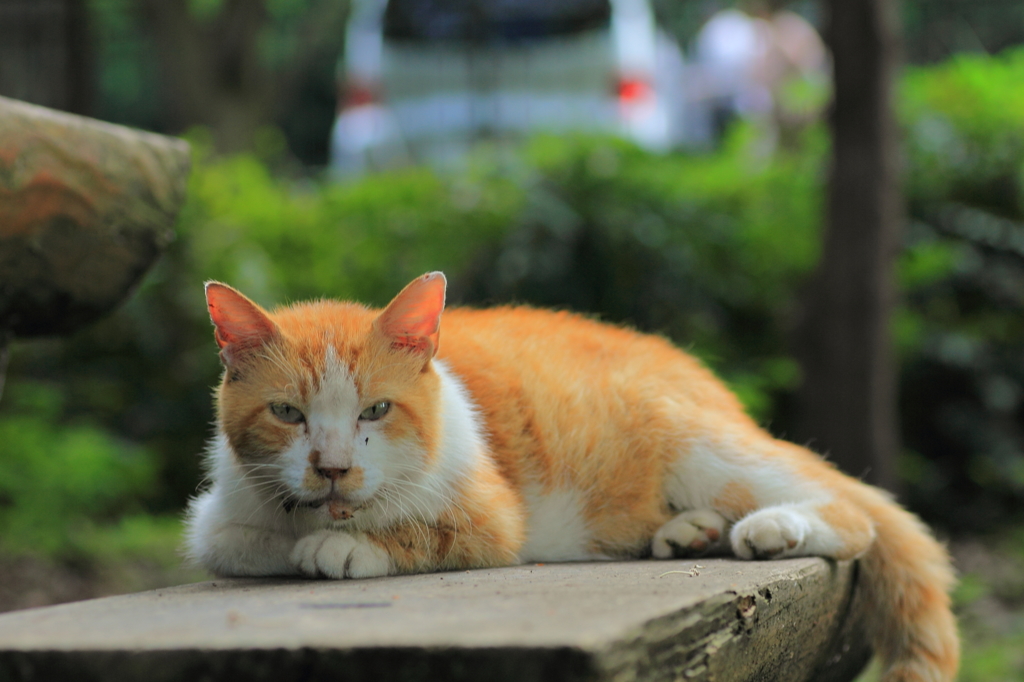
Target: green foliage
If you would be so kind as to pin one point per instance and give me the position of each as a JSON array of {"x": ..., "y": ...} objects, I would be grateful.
[
  {"x": 745, "y": 228},
  {"x": 279, "y": 241},
  {"x": 292, "y": 46},
  {"x": 205, "y": 10},
  {"x": 57, "y": 480},
  {"x": 154, "y": 538},
  {"x": 960, "y": 330},
  {"x": 989, "y": 601},
  {"x": 127, "y": 82},
  {"x": 977, "y": 96},
  {"x": 995, "y": 659}
]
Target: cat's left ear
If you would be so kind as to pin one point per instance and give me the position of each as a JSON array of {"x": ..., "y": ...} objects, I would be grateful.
[
  {"x": 412, "y": 321},
  {"x": 239, "y": 324}
]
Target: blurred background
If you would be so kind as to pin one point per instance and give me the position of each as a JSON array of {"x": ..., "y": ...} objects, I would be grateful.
[{"x": 660, "y": 163}]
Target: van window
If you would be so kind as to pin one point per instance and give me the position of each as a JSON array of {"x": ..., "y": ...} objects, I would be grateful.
[{"x": 491, "y": 20}]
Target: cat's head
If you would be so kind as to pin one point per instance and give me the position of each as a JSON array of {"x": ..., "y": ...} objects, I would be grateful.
[{"x": 329, "y": 407}]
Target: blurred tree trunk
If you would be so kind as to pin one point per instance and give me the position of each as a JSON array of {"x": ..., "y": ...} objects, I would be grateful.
[
  {"x": 848, "y": 401},
  {"x": 214, "y": 69},
  {"x": 211, "y": 68},
  {"x": 45, "y": 53}
]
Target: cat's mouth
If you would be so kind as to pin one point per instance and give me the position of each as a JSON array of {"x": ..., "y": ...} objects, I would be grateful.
[{"x": 340, "y": 508}]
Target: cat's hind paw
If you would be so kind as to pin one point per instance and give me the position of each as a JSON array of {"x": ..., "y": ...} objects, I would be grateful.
[
  {"x": 772, "y": 533},
  {"x": 691, "y": 533},
  {"x": 329, "y": 554}
]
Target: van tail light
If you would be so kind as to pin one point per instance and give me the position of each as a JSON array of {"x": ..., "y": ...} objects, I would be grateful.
[
  {"x": 633, "y": 90},
  {"x": 357, "y": 94}
]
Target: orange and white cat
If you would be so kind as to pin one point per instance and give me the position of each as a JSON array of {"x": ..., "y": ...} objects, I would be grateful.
[{"x": 352, "y": 443}]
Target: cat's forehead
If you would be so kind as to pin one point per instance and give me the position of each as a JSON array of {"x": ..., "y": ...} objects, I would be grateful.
[
  {"x": 332, "y": 345},
  {"x": 311, "y": 315},
  {"x": 320, "y": 332}
]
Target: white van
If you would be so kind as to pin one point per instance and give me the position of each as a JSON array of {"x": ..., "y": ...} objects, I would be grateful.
[{"x": 426, "y": 79}]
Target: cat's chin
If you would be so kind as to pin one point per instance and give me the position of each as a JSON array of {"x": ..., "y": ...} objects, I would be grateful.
[{"x": 333, "y": 507}]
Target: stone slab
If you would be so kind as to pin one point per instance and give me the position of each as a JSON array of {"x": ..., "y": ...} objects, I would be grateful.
[
  {"x": 714, "y": 619},
  {"x": 85, "y": 209}
]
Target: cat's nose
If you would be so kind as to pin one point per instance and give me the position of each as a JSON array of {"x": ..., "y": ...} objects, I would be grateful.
[{"x": 333, "y": 473}]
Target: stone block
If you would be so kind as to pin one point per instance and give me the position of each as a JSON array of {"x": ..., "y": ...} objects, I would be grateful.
[
  {"x": 796, "y": 620},
  {"x": 85, "y": 209}
]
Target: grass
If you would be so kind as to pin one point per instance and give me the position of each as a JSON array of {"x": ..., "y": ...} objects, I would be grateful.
[{"x": 138, "y": 553}]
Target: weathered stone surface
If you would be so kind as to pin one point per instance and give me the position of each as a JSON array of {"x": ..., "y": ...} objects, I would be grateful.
[
  {"x": 85, "y": 209},
  {"x": 790, "y": 620}
]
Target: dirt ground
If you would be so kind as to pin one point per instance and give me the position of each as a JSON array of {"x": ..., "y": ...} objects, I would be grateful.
[{"x": 27, "y": 582}]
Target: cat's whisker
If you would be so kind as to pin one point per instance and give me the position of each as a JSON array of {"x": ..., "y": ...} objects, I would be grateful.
[
  {"x": 448, "y": 501},
  {"x": 414, "y": 521},
  {"x": 276, "y": 510},
  {"x": 444, "y": 496},
  {"x": 257, "y": 483},
  {"x": 426, "y": 517},
  {"x": 247, "y": 488}
]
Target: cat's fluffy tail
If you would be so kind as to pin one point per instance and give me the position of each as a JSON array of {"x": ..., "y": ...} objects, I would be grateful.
[{"x": 908, "y": 578}]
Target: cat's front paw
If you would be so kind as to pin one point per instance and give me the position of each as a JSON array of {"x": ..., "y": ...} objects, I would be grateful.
[
  {"x": 771, "y": 533},
  {"x": 329, "y": 554},
  {"x": 690, "y": 533}
]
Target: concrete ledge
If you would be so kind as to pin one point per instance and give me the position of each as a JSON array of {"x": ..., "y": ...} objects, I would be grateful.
[{"x": 646, "y": 620}]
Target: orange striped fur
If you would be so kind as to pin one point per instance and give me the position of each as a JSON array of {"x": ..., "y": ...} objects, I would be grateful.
[{"x": 355, "y": 442}]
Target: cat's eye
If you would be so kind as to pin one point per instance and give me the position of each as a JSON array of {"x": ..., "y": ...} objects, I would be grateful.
[
  {"x": 375, "y": 411},
  {"x": 287, "y": 413}
]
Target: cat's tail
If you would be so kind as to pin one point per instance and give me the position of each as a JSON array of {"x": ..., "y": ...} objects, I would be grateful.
[{"x": 908, "y": 578}]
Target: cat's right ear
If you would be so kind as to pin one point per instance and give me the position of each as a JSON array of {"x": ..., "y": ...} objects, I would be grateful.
[
  {"x": 412, "y": 321},
  {"x": 239, "y": 324}
]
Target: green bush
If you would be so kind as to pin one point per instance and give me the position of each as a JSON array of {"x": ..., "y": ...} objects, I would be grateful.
[
  {"x": 58, "y": 480},
  {"x": 961, "y": 330},
  {"x": 280, "y": 241}
]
